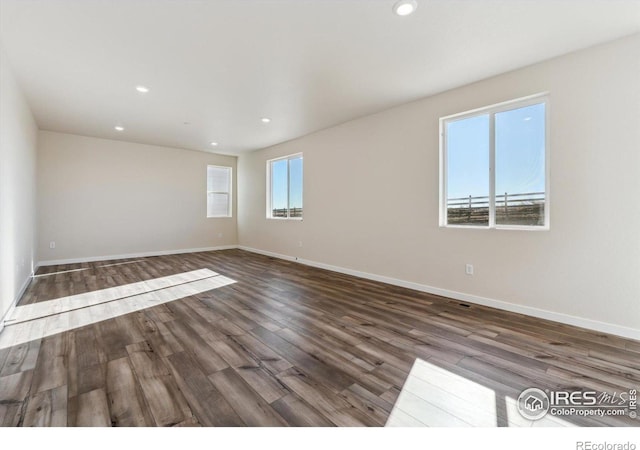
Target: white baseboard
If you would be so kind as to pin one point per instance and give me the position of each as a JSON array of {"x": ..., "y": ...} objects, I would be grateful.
[
  {"x": 590, "y": 324},
  {"x": 57, "y": 262},
  {"x": 16, "y": 299}
]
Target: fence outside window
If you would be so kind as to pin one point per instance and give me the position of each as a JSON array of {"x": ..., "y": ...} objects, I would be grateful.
[{"x": 511, "y": 209}]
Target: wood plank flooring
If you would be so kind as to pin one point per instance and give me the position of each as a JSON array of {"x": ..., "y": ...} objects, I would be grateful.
[{"x": 288, "y": 345}]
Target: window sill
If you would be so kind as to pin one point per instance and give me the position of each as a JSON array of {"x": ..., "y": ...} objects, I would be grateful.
[
  {"x": 295, "y": 219},
  {"x": 500, "y": 228}
]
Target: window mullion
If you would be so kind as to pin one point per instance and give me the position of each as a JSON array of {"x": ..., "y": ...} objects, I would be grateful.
[{"x": 492, "y": 171}]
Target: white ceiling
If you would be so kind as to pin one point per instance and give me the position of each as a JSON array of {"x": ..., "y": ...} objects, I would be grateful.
[{"x": 221, "y": 65}]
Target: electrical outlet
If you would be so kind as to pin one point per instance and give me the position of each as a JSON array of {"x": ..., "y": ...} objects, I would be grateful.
[
  {"x": 52, "y": 244},
  {"x": 299, "y": 243},
  {"x": 468, "y": 269},
  {"x": 219, "y": 235}
]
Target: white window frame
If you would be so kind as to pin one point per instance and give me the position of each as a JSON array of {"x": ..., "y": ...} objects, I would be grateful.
[
  {"x": 229, "y": 192},
  {"x": 492, "y": 110},
  {"x": 269, "y": 187}
]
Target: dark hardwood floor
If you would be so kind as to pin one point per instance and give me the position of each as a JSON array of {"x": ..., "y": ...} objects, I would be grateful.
[{"x": 285, "y": 344}]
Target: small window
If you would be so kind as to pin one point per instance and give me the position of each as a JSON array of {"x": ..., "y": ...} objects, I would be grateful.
[
  {"x": 494, "y": 166},
  {"x": 218, "y": 191},
  {"x": 284, "y": 188}
]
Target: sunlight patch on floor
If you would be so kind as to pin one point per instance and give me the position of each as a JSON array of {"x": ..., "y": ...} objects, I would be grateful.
[
  {"x": 43, "y": 275},
  {"x": 69, "y": 303},
  {"x": 43, "y": 319},
  {"x": 434, "y": 397}
]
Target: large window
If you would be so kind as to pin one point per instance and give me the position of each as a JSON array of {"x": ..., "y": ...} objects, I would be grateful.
[
  {"x": 284, "y": 188},
  {"x": 218, "y": 191},
  {"x": 494, "y": 166}
]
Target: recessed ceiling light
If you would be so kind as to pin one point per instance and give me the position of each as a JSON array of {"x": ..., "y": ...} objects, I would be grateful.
[
  {"x": 265, "y": 120},
  {"x": 142, "y": 89},
  {"x": 118, "y": 128},
  {"x": 526, "y": 119},
  {"x": 214, "y": 144},
  {"x": 405, "y": 7}
]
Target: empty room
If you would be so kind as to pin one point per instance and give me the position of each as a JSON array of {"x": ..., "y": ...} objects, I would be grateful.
[{"x": 318, "y": 213}]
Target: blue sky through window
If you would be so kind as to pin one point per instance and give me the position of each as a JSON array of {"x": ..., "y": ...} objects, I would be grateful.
[
  {"x": 520, "y": 141},
  {"x": 519, "y": 148},
  {"x": 279, "y": 184},
  {"x": 468, "y": 157},
  {"x": 295, "y": 183}
]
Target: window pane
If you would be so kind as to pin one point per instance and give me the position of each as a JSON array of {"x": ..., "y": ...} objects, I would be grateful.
[
  {"x": 468, "y": 171},
  {"x": 217, "y": 205},
  {"x": 520, "y": 166},
  {"x": 218, "y": 179},
  {"x": 295, "y": 187},
  {"x": 218, "y": 191},
  {"x": 279, "y": 197}
]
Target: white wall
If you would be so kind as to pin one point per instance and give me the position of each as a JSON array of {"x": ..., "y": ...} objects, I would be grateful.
[
  {"x": 100, "y": 198},
  {"x": 371, "y": 197},
  {"x": 18, "y": 138}
]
